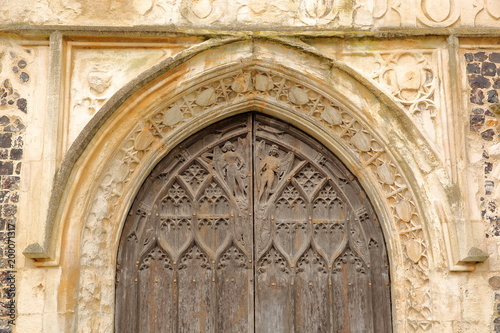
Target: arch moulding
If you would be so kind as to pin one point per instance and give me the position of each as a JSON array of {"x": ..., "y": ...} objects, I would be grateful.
[{"x": 327, "y": 100}]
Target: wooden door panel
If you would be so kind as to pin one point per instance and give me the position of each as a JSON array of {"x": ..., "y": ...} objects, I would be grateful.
[
  {"x": 252, "y": 226},
  {"x": 314, "y": 222},
  {"x": 186, "y": 255}
]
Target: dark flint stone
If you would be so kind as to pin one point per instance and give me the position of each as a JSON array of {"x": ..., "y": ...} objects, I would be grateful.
[
  {"x": 10, "y": 128},
  {"x": 497, "y": 320},
  {"x": 476, "y": 96},
  {"x": 494, "y": 57},
  {"x": 485, "y": 154},
  {"x": 478, "y": 111},
  {"x": 4, "y": 154},
  {"x": 14, "y": 197},
  {"x": 480, "y": 56},
  {"x": 492, "y": 96},
  {"x": 4, "y": 196},
  {"x": 18, "y": 127},
  {"x": 5, "y": 140},
  {"x": 497, "y": 328},
  {"x": 488, "y": 134},
  {"x": 24, "y": 77},
  {"x": 488, "y": 167},
  {"x": 469, "y": 57},
  {"x": 6, "y": 168},
  {"x": 18, "y": 143},
  {"x": 496, "y": 83},
  {"x": 473, "y": 68},
  {"x": 18, "y": 168},
  {"x": 9, "y": 210},
  {"x": 10, "y": 183},
  {"x": 476, "y": 122},
  {"x": 3, "y": 222},
  {"x": 489, "y": 113},
  {"x": 4, "y": 120},
  {"x": 15, "y": 69},
  {"x": 16, "y": 154},
  {"x": 22, "y": 103},
  {"x": 22, "y": 63},
  {"x": 10, "y": 102},
  {"x": 476, "y": 81},
  {"x": 489, "y": 69},
  {"x": 6, "y": 330}
]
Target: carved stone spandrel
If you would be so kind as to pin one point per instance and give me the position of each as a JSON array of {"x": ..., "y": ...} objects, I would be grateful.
[{"x": 98, "y": 73}]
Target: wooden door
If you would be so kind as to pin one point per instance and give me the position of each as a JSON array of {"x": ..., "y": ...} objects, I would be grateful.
[{"x": 252, "y": 226}]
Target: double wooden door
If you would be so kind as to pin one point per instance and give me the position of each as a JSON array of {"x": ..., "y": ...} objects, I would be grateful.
[{"x": 252, "y": 226}]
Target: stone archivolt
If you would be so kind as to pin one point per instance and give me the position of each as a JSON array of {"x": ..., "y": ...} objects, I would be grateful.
[{"x": 259, "y": 85}]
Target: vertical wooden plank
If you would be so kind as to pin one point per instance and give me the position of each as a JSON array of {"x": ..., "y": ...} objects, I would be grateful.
[
  {"x": 312, "y": 307},
  {"x": 351, "y": 294},
  {"x": 126, "y": 287},
  {"x": 196, "y": 291},
  {"x": 273, "y": 301},
  {"x": 156, "y": 295},
  {"x": 234, "y": 277},
  {"x": 380, "y": 287},
  {"x": 340, "y": 301}
]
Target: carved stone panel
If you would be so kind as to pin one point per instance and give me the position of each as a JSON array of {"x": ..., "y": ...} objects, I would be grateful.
[{"x": 252, "y": 207}]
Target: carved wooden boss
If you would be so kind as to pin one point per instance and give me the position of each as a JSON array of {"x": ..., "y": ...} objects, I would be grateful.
[{"x": 252, "y": 226}]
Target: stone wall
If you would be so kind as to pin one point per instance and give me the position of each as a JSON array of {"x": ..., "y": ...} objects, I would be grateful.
[
  {"x": 406, "y": 92},
  {"x": 484, "y": 81},
  {"x": 12, "y": 107},
  {"x": 259, "y": 14},
  {"x": 11, "y": 152}
]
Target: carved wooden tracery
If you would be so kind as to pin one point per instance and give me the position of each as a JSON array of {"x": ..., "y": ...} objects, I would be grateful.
[{"x": 250, "y": 226}]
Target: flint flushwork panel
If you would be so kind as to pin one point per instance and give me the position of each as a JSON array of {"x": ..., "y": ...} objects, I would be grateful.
[
  {"x": 11, "y": 153},
  {"x": 483, "y": 77}
]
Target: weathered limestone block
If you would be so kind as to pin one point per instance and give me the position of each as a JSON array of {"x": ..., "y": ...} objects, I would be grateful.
[{"x": 258, "y": 14}]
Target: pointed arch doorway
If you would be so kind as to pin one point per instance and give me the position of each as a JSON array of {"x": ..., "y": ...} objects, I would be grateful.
[{"x": 252, "y": 226}]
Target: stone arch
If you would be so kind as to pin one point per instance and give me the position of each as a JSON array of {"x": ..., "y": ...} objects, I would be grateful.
[{"x": 360, "y": 125}]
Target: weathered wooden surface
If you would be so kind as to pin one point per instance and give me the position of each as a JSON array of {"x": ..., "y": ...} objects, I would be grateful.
[{"x": 252, "y": 226}]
